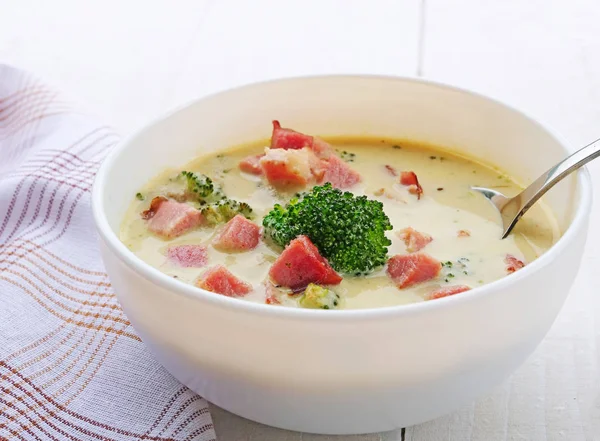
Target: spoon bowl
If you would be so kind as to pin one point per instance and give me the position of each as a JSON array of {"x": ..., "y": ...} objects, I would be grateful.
[{"x": 512, "y": 209}]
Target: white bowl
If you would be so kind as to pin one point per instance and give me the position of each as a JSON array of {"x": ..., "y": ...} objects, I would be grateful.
[{"x": 343, "y": 372}]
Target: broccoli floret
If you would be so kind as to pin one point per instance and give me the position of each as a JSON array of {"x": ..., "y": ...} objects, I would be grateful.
[
  {"x": 215, "y": 206},
  {"x": 231, "y": 207},
  {"x": 224, "y": 210},
  {"x": 318, "y": 297},
  {"x": 348, "y": 230},
  {"x": 202, "y": 188},
  {"x": 212, "y": 215},
  {"x": 199, "y": 185}
]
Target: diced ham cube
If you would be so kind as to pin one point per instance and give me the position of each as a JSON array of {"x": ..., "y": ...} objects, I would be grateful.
[
  {"x": 251, "y": 164},
  {"x": 391, "y": 170},
  {"x": 290, "y": 168},
  {"x": 187, "y": 256},
  {"x": 410, "y": 179},
  {"x": 463, "y": 233},
  {"x": 169, "y": 218},
  {"x": 512, "y": 263},
  {"x": 447, "y": 291},
  {"x": 239, "y": 234},
  {"x": 290, "y": 139},
  {"x": 220, "y": 280},
  {"x": 300, "y": 264},
  {"x": 339, "y": 174},
  {"x": 410, "y": 269},
  {"x": 413, "y": 239}
]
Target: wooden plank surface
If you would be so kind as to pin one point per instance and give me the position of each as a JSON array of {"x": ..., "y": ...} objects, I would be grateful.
[{"x": 129, "y": 61}]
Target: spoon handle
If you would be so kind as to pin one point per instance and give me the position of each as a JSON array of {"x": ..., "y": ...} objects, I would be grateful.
[{"x": 541, "y": 185}]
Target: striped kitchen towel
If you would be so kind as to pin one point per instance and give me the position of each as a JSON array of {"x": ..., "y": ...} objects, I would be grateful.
[{"x": 71, "y": 365}]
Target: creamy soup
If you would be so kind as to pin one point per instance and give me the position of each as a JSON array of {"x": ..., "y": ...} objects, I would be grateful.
[{"x": 444, "y": 237}]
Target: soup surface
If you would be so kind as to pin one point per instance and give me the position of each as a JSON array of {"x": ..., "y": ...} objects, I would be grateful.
[{"x": 443, "y": 237}]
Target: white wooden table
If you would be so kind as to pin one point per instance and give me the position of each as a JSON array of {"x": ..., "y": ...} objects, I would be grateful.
[{"x": 130, "y": 60}]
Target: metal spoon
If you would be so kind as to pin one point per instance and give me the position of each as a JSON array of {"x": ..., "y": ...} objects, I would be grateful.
[{"x": 512, "y": 209}]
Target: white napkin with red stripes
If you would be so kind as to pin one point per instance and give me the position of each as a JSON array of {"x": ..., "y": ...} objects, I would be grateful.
[{"x": 71, "y": 365}]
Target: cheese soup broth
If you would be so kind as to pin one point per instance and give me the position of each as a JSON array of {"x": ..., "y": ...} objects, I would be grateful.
[{"x": 448, "y": 206}]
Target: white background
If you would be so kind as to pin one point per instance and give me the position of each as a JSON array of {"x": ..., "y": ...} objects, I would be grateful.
[{"x": 131, "y": 60}]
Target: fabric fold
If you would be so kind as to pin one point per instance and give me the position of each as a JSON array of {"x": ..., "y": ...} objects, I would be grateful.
[{"x": 71, "y": 365}]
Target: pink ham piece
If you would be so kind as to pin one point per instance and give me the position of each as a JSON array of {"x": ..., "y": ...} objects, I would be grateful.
[
  {"x": 447, "y": 291},
  {"x": 410, "y": 179},
  {"x": 339, "y": 174},
  {"x": 300, "y": 264},
  {"x": 187, "y": 256},
  {"x": 290, "y": 139},
  {"x": 512, "y": 263},
  {"x": 410, "y": 269},
  {"x": 288, "y": 169},
  {"x": 413, "y": 239},
  {"x": 239, "y": 234},
  {"x": 220, "y": 280},
  {"x": 169, "y": 218},
  {"x": 251, "y": 164}
]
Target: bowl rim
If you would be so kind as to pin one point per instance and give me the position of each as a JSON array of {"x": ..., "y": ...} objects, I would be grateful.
[{"x": 155, "y": 276}]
